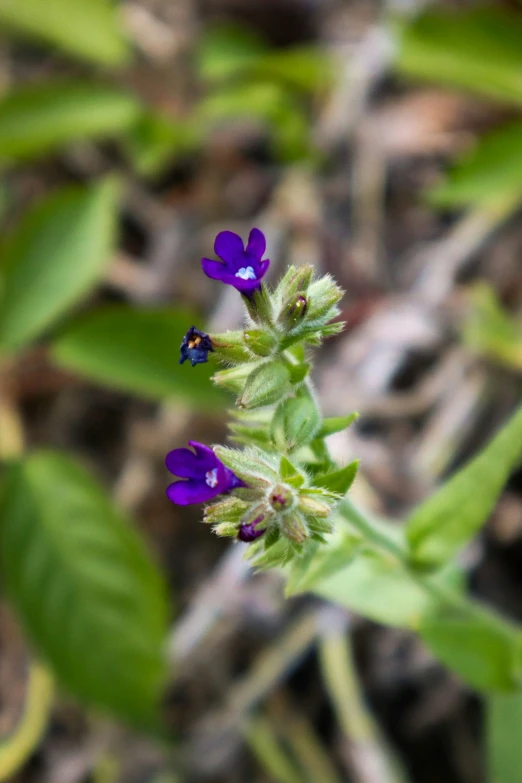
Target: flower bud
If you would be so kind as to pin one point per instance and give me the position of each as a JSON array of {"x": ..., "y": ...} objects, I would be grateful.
[
  {"x": 230, "y": 510},
  {"x": 260, "y": 342},
  {"x": 296, "y": 279},
  {"x": 294, "y": 311},
  {"x": 315, "y": 508},
  {"x": 229, "y": 346},
  {"x": 226, "y": 529},
  {"x": 293, "y": 527},
  {"x": 281, "y": 498},
  {"x": 266, "y": 384},
  {"x": 323, "y": 296}
]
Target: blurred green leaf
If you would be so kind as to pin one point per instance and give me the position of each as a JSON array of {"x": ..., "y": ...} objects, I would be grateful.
[
  {"x": 90, "y": 598},
  {"x": 490, "y": 330},
  {"x": 304, "y": 68},
  {"x": 227, "y": 50},
  {"x": 262, "y": 101},
  {"x": 155, "y": 141},
  {"x": 477, "y": 645},
  {"x": 55, "y": 255},
  {"x": 490, "y": 172},
  {"x": 377, "y": 587},
  {"x": 137, "y": 351},
  {"x": 321, "y": 562},
  {"x": 476, "y": 49},
  {"x": 89, "y": 29},
  {"x": 266, "y": 102},
  {"x": 504, "y": 735},
  {"x": 37, "y": 119},
  {"x": 449, "y": 518}
]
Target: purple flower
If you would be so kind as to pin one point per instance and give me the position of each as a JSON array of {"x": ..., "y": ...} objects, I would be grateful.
[
  {"x": 195, "y": 347},
  {"x": 248, "y": 531},
  {"x": 242, "y": 268},
  {"x": 206, "y": 474}
]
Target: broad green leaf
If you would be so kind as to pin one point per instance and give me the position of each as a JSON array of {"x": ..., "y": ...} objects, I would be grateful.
[
  {"x": 377, "y": 587},
  {"x": 54, "y": 257},
  {"x": 477, "y": 645},
  {"x": 338, "y": 481},
  {"x": 476, "y": 49},
  {"x": 300, "y": 67},
  {"x": 89, "y": 29},
  {"x": 504, "y": 737},
  {"x": 336, "y": 424},
  {"x": 137, "y": 351},
  {"x": 37, "y": 119},
  {"x": 228, "y": 50},
  {"x": 449, "y": 518},
  {"x": 155, "y": 141},
  {"x": 322, "y": 562},
  {"x": 85, "y": 589},
  {"x": 267, "y": 102},
  {"x": 490, "y": 330},
  {"x": 489, "y": 172},
  {"x": 263, "y": 101}
]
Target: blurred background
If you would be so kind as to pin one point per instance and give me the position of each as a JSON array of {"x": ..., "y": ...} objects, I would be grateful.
[{"x": 380, "y": 142}]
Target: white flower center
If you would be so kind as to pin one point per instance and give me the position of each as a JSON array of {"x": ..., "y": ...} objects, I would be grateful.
[
  {"x": 211, "y": 478},
  {"x": 246, "y": 273}
]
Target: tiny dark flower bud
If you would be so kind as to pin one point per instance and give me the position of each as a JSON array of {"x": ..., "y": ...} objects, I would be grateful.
[
  {"x": 249, "y": 531},
  {"x": 195, "y": 347}
]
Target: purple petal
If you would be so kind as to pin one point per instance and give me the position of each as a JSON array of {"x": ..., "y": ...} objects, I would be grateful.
[
  {"x": 185, "y": 464},
  {"x": 229, "y": 247},
  {"x": 215, "y": 269},
  {"x": 244, "y": 286},
  {"x": 261, "y": 268},
  {"x": 256, "y": 245},
  {"x": 183, "y": 493}
]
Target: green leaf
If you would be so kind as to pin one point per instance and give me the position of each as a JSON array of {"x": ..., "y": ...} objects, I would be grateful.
[
  {"x": 88, "y": 595},
  {"x": 54, "y": 257},
  {"x": 266, "y": 384},
  {"x": 153, "y": 142},
  {"x": 504, "y": 737},
  {"x": 338, "y": 481},
  {"x": 89, "y": 29},
  {"x": 336, "y": 424},
  {"x": 37, "y": 119},
  {"x": 489, "y": 172},
  {"x": 136, "y": 351},
  {"x": 490, "y": 330},
  {"x": 303, "y": 68},
  {"x": 450, "y": 517},
  {"x": 377, "y": 587},
  {"x": 228, "y": 50},
  {"x": 477, "y": 645},
  {"x": 295, "y": 422},
  {"x": 477, "y": 49},
  {"x": 322, "y": 562}
]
